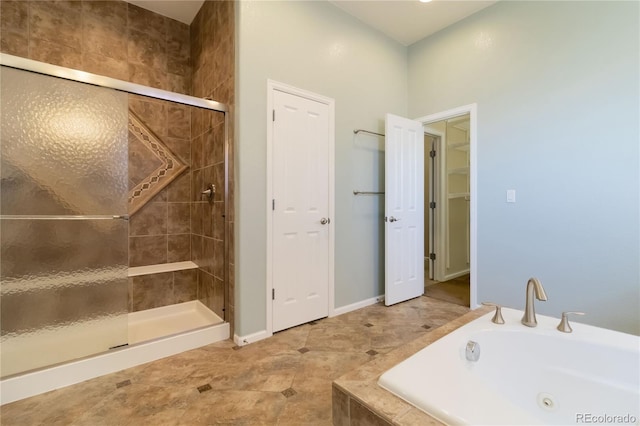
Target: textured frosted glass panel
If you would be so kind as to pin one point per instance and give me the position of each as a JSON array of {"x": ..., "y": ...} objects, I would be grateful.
[
  {"x": 64, "y": 290},
  {"x": 63, "y": 281},
  {"x": 51, "y": 247},
  {"x": 63, "y": 146}
]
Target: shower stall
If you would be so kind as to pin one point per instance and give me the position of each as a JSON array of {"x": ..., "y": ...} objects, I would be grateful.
[{"x": 113, "y": 225}]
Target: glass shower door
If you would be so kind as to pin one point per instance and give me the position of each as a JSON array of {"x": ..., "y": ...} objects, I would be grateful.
[{"x": 63, "y": 237}]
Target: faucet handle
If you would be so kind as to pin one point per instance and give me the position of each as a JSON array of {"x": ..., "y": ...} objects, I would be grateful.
[
  {"x": 497, "y": 317},
  {"x": 564, "y": 321}
]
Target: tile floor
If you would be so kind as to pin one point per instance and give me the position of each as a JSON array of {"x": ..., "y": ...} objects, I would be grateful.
[{"x": 283, "y": 380}]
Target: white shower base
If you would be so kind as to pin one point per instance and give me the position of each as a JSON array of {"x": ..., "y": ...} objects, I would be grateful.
[
  {"x": 153, "y": 334},
  {"x": 154, "y": 323}
]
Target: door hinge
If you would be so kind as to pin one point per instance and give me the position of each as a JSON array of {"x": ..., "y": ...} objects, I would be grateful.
[
  {"x": 273, "y": 294},
  {"x": 432, "y": 205},
  {"x": 432, "y": 153},
  {"x": 273, "y": 204},
  {"x": 432, "y": 256},
  {"x": 273, "y": 116}
]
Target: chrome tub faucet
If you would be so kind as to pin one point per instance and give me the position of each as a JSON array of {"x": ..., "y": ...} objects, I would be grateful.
[{"x": 533, "y": 286}]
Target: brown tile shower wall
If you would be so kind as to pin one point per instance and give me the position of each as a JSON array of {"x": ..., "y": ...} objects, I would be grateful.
[
  {"x": 207, "y": 215},
  {"x": 160, "y": 232},
  {"x": 156, "y": 290},
  {"x": 213, "y": 64},
  {"x": 111, "y": 38},
  {"x": 123, "y": 41}
]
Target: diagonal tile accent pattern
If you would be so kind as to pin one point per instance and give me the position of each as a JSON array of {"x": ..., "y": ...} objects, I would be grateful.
[
  {"x": 167, "y": 166},
  {"x": 270, "y": 382}
]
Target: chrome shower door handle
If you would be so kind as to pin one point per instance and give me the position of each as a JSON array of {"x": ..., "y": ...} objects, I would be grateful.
[{"x": 393, "y": 219}]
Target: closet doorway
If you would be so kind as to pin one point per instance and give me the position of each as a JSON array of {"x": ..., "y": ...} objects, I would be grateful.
[
  {"x": 300, "y": 176},
  {"x": 450, "y": 206}
]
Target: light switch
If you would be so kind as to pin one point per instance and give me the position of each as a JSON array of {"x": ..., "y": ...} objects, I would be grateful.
[{"x": 511, "y": 195}]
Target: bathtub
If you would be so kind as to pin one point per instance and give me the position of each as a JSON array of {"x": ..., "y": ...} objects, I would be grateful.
[{"x": 524, "y": 375}]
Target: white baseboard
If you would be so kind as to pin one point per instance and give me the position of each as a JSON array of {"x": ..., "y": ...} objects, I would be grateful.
[
  {"x": 251, "y": 338},
  {"x": 456, "y": 275},
  {"x": 358, "y": 305},
  {"x": 263, "y": 334}
]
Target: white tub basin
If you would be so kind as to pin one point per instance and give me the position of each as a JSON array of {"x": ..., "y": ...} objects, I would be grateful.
[{"x": 524, "y": 375}]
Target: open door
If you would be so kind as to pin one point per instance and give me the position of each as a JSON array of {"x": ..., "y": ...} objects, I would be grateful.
[{"x": 404, "y": 209}]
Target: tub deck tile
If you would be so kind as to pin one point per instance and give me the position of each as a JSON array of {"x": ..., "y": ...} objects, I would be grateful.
[{"x": 361, "y": 384}]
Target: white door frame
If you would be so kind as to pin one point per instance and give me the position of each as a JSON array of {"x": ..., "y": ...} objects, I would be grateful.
[
  {"x": 472, "y": 110},
  {"x": 435, "y": 268},
  {"x": 282, "y": 87}
]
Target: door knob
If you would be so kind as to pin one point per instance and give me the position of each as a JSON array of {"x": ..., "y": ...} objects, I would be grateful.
[
  {"x": 393, "y": 219},
  {"x": 324, "y": 221}
]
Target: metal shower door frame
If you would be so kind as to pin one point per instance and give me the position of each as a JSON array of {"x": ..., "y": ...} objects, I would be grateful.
[{"x": 138, "y": 89}]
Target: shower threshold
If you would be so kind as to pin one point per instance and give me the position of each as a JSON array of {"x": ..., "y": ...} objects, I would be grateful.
[{"x": 153, "y": 334}]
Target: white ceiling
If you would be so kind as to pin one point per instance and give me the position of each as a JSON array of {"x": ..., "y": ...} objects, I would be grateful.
[
  {"x": 180, "y": 10},
  {"x": 405, "y": 21}
]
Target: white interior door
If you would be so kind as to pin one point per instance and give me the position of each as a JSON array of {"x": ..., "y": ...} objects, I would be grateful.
[
  {"x": 404, "y": 209},
  {"x": 300, "y": 210}
]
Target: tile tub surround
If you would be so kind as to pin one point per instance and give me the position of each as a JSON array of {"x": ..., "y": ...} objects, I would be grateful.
[
  {"x": 285, "y": 379},
  {"x": 357, "y": 398}
]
